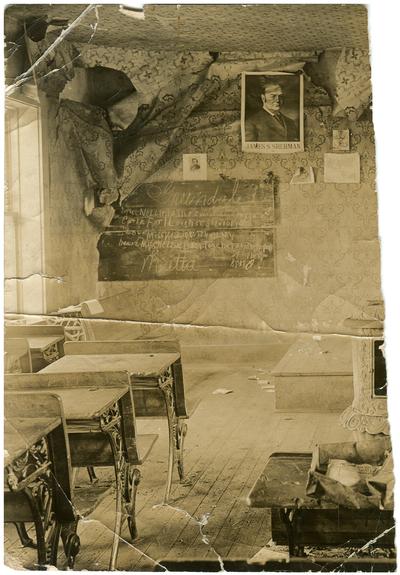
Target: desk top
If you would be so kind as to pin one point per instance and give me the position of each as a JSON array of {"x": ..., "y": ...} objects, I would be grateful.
[
  {"x": 283, "y": 483},
  {"x": 138, "y": 364},
  {"x": 21, "y": 433},
  {"x": 42, "y": 342},
  {"x": 11, "y": 319},
  {"x": 87, "y": 403}
]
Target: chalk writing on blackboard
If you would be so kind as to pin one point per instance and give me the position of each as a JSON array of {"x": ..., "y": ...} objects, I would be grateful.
[{"x": 187, "y": 230}]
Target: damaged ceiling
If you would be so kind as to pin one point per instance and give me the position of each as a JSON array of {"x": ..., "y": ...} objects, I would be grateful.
[{"x": 229, "y": 27}]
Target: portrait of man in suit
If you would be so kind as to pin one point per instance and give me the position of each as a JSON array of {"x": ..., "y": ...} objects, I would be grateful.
[{"x": 272, "y": 111}]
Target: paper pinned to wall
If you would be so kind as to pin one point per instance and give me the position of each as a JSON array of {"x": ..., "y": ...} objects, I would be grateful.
[
  {"x": 303, "y": 175},
  {"x": 342, "y": 168}
]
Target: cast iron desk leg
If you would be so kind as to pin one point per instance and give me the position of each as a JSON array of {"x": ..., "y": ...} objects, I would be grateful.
[
  {"x": 31, "y": 475},
  {"x": 176, "y": 433},
  {"x": 166, "y": 388},
  {"x": 181, "y": 430},
  {"x": 71, "y": 542},
  {"x": 112, "y": 431},
  {"x": 51, "y": 354},
  {"x": 26, "y": 541},
  {"x": 127, "y": 479}
]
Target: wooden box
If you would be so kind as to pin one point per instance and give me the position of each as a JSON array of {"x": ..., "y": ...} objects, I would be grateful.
[{"x": 315, "y": 375}]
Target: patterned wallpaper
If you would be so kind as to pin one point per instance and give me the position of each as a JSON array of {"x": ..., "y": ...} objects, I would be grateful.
[
  {"x": 326, "y": 240},
  {"x": 192, "y": 104},
  {"x": 205, "y": 132},
  {"x": 327, "y": 243},
  {"x": 228, "y": 27}
]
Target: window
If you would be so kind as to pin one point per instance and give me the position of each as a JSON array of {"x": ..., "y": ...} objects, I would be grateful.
[{"x": 23, "y": 224}]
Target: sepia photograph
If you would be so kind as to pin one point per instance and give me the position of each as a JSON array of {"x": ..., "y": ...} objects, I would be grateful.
[
  {"x": 194, "y": 167},
  {"x": 341, "y": 140},
  {"x": 198, "y": 370},
  {"x": 272, "y": 112}
]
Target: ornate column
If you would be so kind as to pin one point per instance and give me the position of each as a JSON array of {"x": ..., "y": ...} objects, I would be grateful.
[{"x": 367, "y": 416}]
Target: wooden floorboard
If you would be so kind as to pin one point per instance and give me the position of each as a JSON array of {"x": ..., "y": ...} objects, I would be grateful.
[
  {"x": 229, "y": 440},
  {"x": 215, "y": 463}
]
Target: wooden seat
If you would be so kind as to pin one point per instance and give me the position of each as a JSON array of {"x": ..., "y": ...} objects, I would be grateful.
[
  {"x": 101, "y": 428},
  {"x": 17, "y": 356},
  {"x": 37, "y": 486}
]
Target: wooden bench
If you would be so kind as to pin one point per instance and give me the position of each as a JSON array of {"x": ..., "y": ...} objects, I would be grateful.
[
  {"x": 45, "y": 342},
  {"x": 37, "y": 486},
  {"x": 101, "y": 430},
  {"x": 156, "y": 377}
]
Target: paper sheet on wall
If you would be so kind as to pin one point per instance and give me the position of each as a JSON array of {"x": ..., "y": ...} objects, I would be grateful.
[{"x": 342, "y": 168}]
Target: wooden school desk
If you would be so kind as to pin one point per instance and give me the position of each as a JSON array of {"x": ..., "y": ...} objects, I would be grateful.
[
  {"x": 37, "y": 485},
  {"x": 45, "y": 342},
  {"x": 158, "y": 372},
  {"x": 101, "y": 429}
]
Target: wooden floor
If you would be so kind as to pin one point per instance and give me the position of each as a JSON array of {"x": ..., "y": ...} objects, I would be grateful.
[{"x": 229, "y": 440}]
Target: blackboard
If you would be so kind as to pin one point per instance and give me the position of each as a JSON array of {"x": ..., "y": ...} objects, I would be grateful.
[{"x": 171, "y": 230}]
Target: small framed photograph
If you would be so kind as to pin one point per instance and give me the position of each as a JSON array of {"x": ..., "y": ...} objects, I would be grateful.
[
  {"x": 341, "y": 140},
  {"x": 194, "y": 167},
  {"x": 272, "y": 112}
]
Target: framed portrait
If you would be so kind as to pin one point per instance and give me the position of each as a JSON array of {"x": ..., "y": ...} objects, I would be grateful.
[
  {"x": 341, "y": 140},
  {"x": 272, "y": 112},
  {"x": 194, "y": 167}
]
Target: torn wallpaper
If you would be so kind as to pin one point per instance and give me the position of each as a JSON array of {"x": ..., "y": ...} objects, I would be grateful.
[{"x": 194, "y": 341}]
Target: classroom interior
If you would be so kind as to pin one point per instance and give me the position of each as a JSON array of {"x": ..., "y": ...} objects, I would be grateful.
[{"x": 194, "y": 351}]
